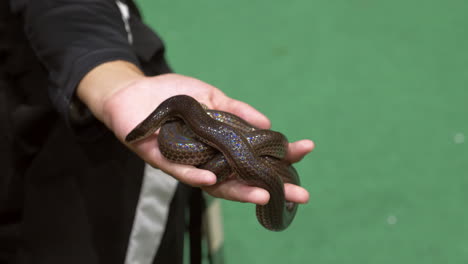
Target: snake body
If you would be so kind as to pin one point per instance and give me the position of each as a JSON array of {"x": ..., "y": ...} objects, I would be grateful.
[{"x": 226, "y": 145}]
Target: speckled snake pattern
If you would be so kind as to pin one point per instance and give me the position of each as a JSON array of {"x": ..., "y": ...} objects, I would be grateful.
[{"x": 229, "y": 147}]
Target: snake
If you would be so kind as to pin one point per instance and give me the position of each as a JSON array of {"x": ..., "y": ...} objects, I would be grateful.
[{"x": 228, "y": 146}]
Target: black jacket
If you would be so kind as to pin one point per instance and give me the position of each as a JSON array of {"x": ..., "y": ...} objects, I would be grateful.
[{"x": 68, "y": 188}]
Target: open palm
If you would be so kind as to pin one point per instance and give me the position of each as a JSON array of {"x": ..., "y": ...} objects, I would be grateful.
[{"x": 130, "y": 105}]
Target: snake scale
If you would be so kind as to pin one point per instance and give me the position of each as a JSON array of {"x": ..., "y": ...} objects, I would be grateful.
[{"x": 229, "y": 147}]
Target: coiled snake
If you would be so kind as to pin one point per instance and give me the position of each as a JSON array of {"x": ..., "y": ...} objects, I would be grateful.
[{"x": 226, "y": 145}]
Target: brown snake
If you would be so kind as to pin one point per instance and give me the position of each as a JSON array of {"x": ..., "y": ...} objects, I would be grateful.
[{"x": 226, "y": 145}]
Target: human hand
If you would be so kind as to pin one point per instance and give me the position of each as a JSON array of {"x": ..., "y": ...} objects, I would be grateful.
[{"x": 124, "y": 108}]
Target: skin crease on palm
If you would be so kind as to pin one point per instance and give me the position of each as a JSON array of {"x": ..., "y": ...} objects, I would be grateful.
[{"x": 120, "y": 96}]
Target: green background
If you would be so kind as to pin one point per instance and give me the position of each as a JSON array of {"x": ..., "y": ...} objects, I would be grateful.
[{"x": 380, "y": 86}]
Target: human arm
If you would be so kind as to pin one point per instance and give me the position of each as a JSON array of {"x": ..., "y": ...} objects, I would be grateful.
[{"x": 84, "y": 44}]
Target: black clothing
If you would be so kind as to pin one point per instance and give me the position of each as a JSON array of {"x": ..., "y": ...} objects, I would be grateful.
[{"x": 68, "y": 187}]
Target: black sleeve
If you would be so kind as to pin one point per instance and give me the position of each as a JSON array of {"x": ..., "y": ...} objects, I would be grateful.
[{"x": 71, "y": 37}]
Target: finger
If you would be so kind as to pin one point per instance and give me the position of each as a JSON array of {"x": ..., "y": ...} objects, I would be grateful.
[
  {"x": 235, "y": 191},
  {"x": 189, "y": 175},
  {"x": 297, "y": 150},
  {"x": 296, "y": 194},
  {"x": 185, "y": 173},
  {"x": 245, "y": 111}
]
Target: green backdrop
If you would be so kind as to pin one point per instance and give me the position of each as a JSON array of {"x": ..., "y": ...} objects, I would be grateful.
[{"x": 380, "y": 86}]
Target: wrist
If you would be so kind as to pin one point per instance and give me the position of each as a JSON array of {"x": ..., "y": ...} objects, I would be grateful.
[{"x": 104, "y": 81}]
